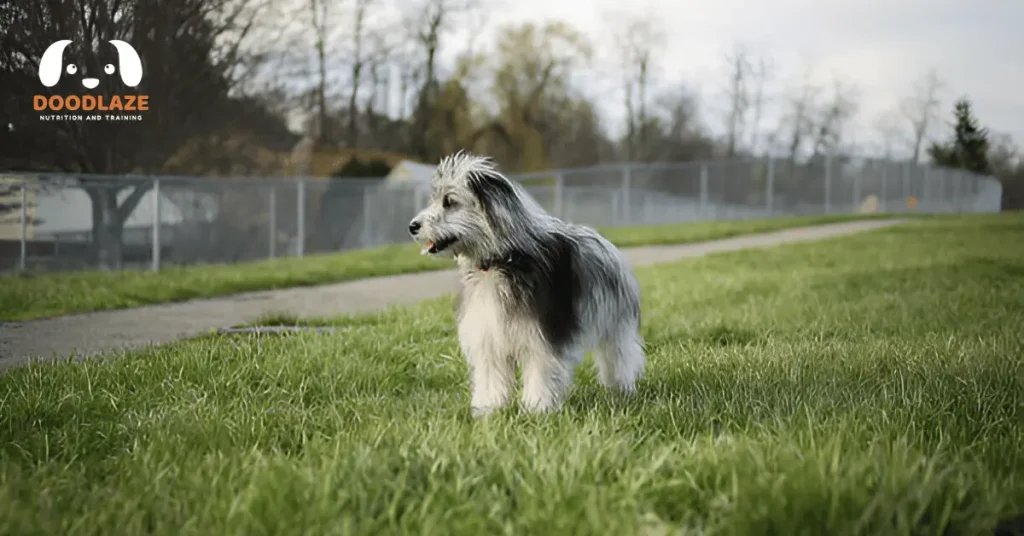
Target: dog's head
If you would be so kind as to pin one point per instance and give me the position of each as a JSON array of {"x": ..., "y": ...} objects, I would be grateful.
[
  {"x": 474, "y": 210},
  {"x": 52, "y": 65}
]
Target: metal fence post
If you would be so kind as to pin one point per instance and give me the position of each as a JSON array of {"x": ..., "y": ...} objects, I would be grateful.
[
  {"x": 956, "y": 192},
  {"x": 24, "y": 227},
  {"x": 925, "y": 186},
  {"x": 884, "y": 188},
  {"x": 272, "y": 245},
  {"x": 155, "y": 266},
  {"x": 300, "y": 248},
  {"x": 560, "y": 195},
  {"x": 942, "y": 186},
  {"x": 828, "y": 184},
  {"x": 906, "y": 186},
  {"x": 856, "y": 190},
  {"x": 368, "y": 204},
  {"x": 627, "y": 177},
  {"x": 770, "y": 188},
  {"x": 703, "y": 190}
]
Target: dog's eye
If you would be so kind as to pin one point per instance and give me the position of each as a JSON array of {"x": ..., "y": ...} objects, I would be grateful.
[
  {"x": 108, "y": 68},
  {"x": 72, "y": 69},
  {"x": 447, "y": 202}
]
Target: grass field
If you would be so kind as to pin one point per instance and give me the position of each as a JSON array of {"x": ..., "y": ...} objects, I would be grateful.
[
  {"x": 31, "y": 297},
  {"x": 870, "y": 384}
]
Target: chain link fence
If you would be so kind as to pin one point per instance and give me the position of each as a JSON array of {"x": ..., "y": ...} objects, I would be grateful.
[{"x": 64, "y": 222}]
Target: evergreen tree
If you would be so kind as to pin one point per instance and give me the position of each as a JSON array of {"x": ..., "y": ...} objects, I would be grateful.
[{"x": 969, "y": 147}]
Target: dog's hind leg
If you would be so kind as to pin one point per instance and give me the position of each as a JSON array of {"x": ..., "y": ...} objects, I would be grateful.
[{"x": 620, "y": 360}]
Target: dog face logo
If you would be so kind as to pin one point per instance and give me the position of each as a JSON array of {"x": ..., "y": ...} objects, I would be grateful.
[{"x": 51, "y": 67}]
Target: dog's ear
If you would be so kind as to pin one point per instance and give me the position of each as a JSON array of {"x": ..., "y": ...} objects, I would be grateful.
[
  {"x": 130, "y": 64},
  {"x": 52, "y": 63},
  {"x": 490, "y": 187},
  {"x": 498, "y": 197}
]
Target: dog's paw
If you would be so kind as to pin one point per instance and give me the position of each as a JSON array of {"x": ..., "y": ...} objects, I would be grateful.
[
  {"x": 540, "y": 407},
  {"x": 481, "y": 412}
]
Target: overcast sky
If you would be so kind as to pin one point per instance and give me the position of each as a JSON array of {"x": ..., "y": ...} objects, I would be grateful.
[{"x": 881, "y": 46}]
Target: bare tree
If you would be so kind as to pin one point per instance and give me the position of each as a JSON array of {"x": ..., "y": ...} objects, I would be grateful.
[
  {"x": 1004, "y": 156},
  {"x": 833, "y": 116},
  {"x": 798, "y": 118},
  {"x": 681, "y": 137},
  {"x": 380, "y": 82},
  {"x": 360, "y": 59},
  {"x": 738, "y": 94},
  {"x": 637, "y": 41},
  {"x": 430, "y": 20},
  {"x": 321, "y": 26},
  {"x": 760, "y": 74},
  {"x": 921, "y": 110},
  {"x": 889, "y": 133}
]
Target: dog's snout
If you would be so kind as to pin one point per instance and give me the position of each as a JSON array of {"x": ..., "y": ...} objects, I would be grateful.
[{"x": 414, "y": 227}]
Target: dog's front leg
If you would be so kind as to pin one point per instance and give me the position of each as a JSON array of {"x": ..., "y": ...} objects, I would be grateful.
[
  {"x": 491, "y": 379},
  {"x": 491, "y": 373},
  {"x": 547, "y": 377}
]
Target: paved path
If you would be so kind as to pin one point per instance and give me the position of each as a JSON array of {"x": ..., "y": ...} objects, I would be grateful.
[{"x": 109, "y": 331}]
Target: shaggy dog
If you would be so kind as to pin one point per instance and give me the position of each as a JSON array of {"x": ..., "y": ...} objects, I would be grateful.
[{"x": 537, "y": 292}]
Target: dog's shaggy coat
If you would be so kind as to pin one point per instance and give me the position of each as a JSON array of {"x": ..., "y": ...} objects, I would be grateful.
[{"x": 537, "y": 292}]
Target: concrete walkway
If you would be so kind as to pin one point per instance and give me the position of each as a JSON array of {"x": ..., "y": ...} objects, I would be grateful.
[{"x": 109, "y": 331}]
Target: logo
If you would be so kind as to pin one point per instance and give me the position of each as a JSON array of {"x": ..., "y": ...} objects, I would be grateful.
[{"x": 88, "y": 107}]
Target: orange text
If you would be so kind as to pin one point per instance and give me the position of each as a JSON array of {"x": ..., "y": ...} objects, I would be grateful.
[{"x": 88, "y": 103}]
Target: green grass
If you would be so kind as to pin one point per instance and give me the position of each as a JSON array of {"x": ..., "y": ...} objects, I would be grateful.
[
  {"x": 41, "y": 296},
  {"x": 870, "y": 384}
]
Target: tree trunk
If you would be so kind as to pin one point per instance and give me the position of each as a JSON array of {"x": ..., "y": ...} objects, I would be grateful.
[
  {"x": 357, "y": 69},
  {"x": 108, "y": 221},
  {"x": 642, "y": 90},
  {"x": 424, "y": 109},
  {"x": 107, "y": 229},
  {"x": 630, "y": 121}
]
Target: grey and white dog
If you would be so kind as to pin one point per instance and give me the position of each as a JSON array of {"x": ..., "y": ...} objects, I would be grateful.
[{"x": 537, "y": 292}]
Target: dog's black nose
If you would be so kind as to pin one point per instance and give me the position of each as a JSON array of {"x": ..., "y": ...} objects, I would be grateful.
[{"x": 414, "y": 227}]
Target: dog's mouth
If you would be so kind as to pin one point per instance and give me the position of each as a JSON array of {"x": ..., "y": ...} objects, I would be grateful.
[{"x": 433, "y": 248}]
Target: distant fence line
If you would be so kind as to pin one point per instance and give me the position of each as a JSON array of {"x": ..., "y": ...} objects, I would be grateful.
[{"x": 51, "y": 222}]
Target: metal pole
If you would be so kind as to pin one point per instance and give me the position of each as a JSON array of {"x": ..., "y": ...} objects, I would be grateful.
[
  {"x": 956, "y": 192},
  {"x": 627, "y": 177},
  {"x": 856, "y": 190},
  {"x": 616, "y": 213},
  {"x": 273, "y": 222},
  {"x": 828, "y": 184},
  {"x": 925, "y": 190},
  {"x": 156, "y": 226},
  {"x": 703, "y": 190},
  {"x": 560, "y": 196},
  {"x": 906, "y": 185},
  {"x": 885, "y": 180},
  {"x": 942, "y": 187},
  {"x": 770, "y": 192},
  {"x": 368, "y": 205},
  {"x": 24, "y": 227},
  {"x": 301, "y": 219}
]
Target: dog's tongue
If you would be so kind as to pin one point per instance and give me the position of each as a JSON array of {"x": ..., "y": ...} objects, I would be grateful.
[{"x": 426, "y": 248}]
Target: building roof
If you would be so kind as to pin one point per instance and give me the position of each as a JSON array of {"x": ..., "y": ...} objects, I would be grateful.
[{"x": 407, "y": 170}]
